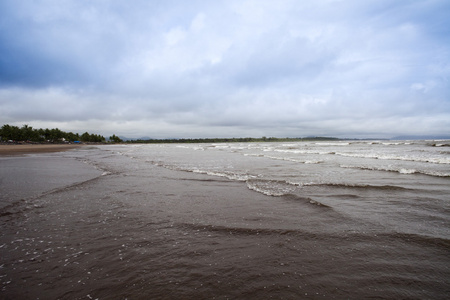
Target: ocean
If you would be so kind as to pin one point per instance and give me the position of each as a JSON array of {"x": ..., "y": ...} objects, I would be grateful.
[{"x": 301, "y": 220}]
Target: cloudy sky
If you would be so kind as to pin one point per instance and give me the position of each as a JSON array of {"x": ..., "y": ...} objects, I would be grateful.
[{"x": 226, "y": 68}]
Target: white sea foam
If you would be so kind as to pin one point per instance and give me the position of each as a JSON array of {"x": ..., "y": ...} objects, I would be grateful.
[
  {"x": 391, "y": 143},
  {"x": 407, "y": 171},
  {"x": 333, "y": 144},
  {"x": 400, "y": 170},
  {"x": 436, "y": 160},
  {"x": 271, "y": 187},
  {"x": 220, "y": 146},
  {"x": 229, "y": 175},
  {"x": 303, "y": 161},
  {"x": 304, "y": 151}
]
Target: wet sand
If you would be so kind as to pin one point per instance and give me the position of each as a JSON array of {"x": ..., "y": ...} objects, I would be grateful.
[{"x": 6, "y": 150}]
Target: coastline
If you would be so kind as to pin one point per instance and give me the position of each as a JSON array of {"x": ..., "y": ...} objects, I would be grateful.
[{"x": 14, "y": 150}]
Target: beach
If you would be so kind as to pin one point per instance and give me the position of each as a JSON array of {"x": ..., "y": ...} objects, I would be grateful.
[
  {"x": 226, "y": 221},
  {"x": 21, "y": 149}
]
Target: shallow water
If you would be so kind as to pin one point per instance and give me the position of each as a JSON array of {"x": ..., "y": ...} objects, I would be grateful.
[{"x": 228, "y": 221}]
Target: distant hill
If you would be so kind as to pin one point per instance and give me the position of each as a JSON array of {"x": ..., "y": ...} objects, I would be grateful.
[{"x": 421, "y": 137}]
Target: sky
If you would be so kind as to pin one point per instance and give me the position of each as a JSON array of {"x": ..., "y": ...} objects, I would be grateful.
[{"x": 227, "y": 68}]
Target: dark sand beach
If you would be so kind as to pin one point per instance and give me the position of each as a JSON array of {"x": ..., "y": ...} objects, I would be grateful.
[{"x": 22, "y": 149}]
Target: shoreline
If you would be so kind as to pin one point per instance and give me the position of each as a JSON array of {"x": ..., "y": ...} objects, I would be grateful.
[{"x": 15, "y": 150}]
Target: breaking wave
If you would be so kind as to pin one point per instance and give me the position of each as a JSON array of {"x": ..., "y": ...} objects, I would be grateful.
[
  {"x": 271, "y": 187},
  {"x": 400, "y": 170},
  {"x": 357, "y": 186}
]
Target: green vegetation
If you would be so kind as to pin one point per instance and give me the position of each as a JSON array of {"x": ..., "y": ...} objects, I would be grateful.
[
  {"x": 115, "y": 139},
  {"x": 27, "y": 133}
]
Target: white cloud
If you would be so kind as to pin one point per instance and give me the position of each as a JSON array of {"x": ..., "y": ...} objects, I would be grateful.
[{"x": 231, "y": 67}]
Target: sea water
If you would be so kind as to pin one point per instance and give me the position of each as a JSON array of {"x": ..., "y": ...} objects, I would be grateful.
[{"x": 322, "y": 220}]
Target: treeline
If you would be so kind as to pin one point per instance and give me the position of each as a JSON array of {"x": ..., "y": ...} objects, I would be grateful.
[
  {"x": 28, "y": 133},
  {"x": 232, "y": 140}
]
